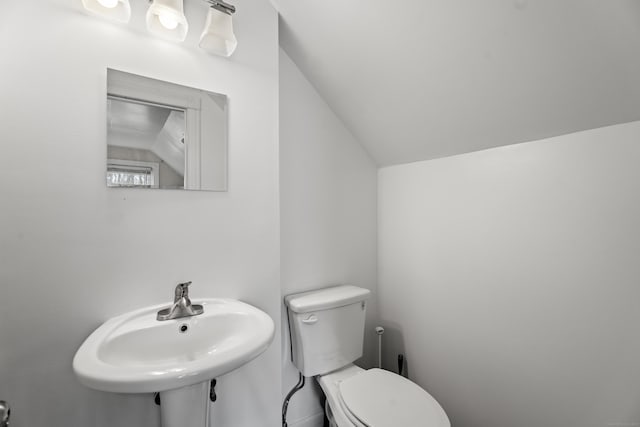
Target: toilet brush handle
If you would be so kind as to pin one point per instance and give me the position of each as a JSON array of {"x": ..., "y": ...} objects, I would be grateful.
[{"x": 379, "y": 331}]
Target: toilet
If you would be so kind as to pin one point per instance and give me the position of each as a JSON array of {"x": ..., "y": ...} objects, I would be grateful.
[{"x": 327, "y": 332}]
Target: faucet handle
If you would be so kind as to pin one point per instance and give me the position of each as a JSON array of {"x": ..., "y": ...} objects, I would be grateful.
[{"x": 182, "y": 290}]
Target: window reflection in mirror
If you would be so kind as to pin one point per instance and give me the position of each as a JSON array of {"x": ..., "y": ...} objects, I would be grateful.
[{"x": 162, "y": 135}]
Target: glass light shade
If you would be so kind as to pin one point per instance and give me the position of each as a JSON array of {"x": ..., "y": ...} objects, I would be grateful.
[
  {"x": 165, "y": 18},
  {"x": 117, "y": 10},
  {"x": 218, "y": 36},
  {"x": 108, "y": 3}
]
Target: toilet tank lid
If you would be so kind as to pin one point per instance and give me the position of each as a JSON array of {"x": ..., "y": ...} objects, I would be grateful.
[{"x": 324, "y": 299}]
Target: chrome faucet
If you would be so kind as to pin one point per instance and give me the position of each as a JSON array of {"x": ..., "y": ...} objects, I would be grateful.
[{"x": 182, "y": 306}]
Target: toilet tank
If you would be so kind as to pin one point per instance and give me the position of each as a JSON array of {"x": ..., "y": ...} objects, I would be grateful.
[{"x": 327, "y": 328}]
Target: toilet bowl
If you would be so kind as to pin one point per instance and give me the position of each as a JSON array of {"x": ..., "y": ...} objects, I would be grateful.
[
  {"x": 327, "y": 332},
  {"x": 377, "y": 398}
]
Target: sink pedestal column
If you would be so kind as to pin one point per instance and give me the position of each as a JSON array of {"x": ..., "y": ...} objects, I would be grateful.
[{"x": 186, "y": 406}]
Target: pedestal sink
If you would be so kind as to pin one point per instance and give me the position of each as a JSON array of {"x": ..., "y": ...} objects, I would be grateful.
[{"x": 135, "y": 353}]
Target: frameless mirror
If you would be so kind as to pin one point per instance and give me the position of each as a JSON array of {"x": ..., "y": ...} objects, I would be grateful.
[{"x": 163, "y": 135}]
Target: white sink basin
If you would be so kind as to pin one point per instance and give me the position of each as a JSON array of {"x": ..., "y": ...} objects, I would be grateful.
[{"x": 135, "y": 353}]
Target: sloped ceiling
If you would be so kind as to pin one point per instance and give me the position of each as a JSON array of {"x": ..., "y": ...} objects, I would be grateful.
[{"x": 420, "y": 79}]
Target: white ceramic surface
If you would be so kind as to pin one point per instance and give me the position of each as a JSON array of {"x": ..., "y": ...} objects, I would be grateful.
[{"x": 135, "y": 353}]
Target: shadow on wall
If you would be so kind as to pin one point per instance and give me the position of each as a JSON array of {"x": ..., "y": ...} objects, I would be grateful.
[{"x": 393, "y": 348}]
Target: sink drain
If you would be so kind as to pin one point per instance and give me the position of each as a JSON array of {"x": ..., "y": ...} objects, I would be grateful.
[{"x": 183, "y": 328}]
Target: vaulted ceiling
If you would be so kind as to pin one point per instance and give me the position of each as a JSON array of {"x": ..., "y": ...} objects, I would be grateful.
[{"x": 421, "y": 79}]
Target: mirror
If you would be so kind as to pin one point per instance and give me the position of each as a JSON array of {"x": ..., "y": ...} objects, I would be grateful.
[{"x": 163, "y": 135}]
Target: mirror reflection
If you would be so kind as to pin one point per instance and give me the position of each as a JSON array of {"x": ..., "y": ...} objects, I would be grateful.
[
  {"x": 145, "y": 145},
  {"x": 162, "y": 135}
]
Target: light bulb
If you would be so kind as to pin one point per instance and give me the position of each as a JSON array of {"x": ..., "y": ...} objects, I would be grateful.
[
  {"x": 118, "y": 10},
  {"x": 165, "y": 18},
  {"x": 168, "y": 21},
  {"x": 109, "y": 4}
]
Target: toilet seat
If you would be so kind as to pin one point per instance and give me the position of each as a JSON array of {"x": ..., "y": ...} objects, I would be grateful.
[
  {"x": 379, "y": 398},
  {"x": 337, "y": 411},
  {"x": 355, "y": 422},
  {"x": 348, "y": 414}
]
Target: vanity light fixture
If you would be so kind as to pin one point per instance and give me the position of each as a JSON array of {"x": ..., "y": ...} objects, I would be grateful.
[
  {"x": 165, "y": 18},
  {"x": 218, "y": 36},
  {"x": 117, "y": 10}
]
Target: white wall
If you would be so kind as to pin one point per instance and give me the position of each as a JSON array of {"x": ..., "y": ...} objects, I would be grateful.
[
  {"x": 73, "y": 253},
  {"x": 328, "y": 187},
  {"x": 511, "y": 279}
]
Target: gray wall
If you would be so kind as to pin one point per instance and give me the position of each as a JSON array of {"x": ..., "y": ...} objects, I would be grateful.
[
  {"x": 75, "y": 253},
  {"x": 328, "y": 215},
  {"x": 510, "y": 279}
]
